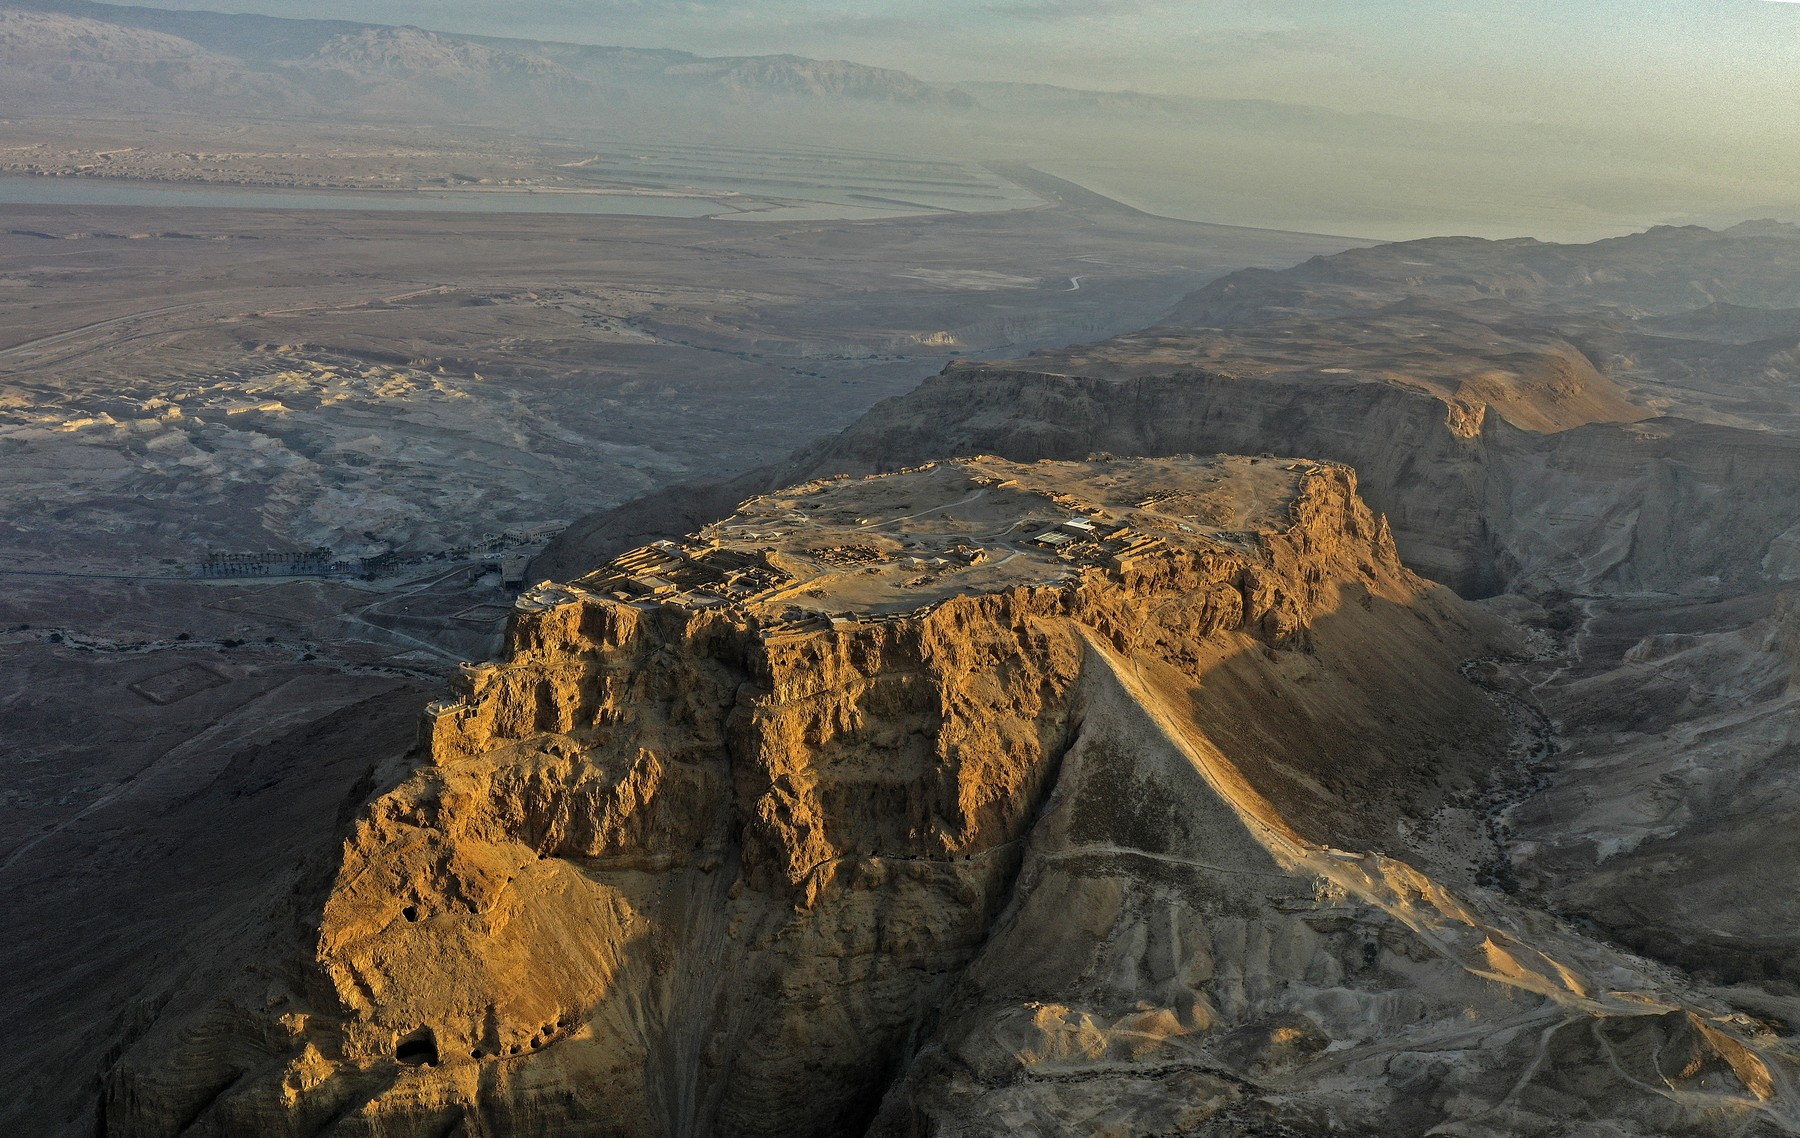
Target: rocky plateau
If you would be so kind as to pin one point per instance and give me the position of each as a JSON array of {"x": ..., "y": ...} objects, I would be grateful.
[{"x": 1103, "y": 796}]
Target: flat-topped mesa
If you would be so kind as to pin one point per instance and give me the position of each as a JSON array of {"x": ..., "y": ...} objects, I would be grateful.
[
  {"x": 940, "y": 596},
  {"x": 733, "y": 813},
  {"x": 937, "y": 601},
  {"x": 886, "y": 661},
  {"x": 1246, "y": 543}
]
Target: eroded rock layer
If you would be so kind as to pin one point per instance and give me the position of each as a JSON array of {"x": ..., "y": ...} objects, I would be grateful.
[{"x": 1069, "y": 797}]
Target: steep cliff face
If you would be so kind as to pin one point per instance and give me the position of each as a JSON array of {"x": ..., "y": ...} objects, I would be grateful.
[
  {"x": 981, "y": 798},
  {"x": 1664, "y": 505},
  {"x": 669, "y": 877},
  {"x": 719, "y": 870}
]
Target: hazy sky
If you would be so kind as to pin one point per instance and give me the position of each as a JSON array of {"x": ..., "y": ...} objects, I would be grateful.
[
  {"x": 1569, "y": 118},
  {"x": 1647, "y": 60}
]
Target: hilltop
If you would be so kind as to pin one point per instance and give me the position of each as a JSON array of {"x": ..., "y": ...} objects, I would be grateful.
[{"x": 989, "y": 794}]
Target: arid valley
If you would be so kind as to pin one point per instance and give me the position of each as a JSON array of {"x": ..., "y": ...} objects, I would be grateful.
[{"x": 552, "y": 589}]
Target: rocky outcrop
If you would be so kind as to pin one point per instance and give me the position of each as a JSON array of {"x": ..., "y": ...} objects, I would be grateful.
[{"x": 881, "y": 804}]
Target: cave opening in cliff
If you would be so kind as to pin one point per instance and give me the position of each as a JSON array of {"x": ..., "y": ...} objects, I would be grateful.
[{"x": 418, "y": 1049}]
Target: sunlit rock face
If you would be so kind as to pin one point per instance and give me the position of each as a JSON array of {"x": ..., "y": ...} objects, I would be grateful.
[{"x": 1116, "y": 796}]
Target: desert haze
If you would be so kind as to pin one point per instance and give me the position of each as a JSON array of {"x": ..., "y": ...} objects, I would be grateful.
[{"x": 1158, "y": 569}]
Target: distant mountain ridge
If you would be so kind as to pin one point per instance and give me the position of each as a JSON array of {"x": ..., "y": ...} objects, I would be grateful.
[
  {"x": 59, "y": 59},
  {"x": 414, "y": 51},
  {"x": 113, "y": 40},
  {"x": 416, "y": 55},
  {"x": 794, "y": 75},
  {"x": 383, "y": 54}
]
